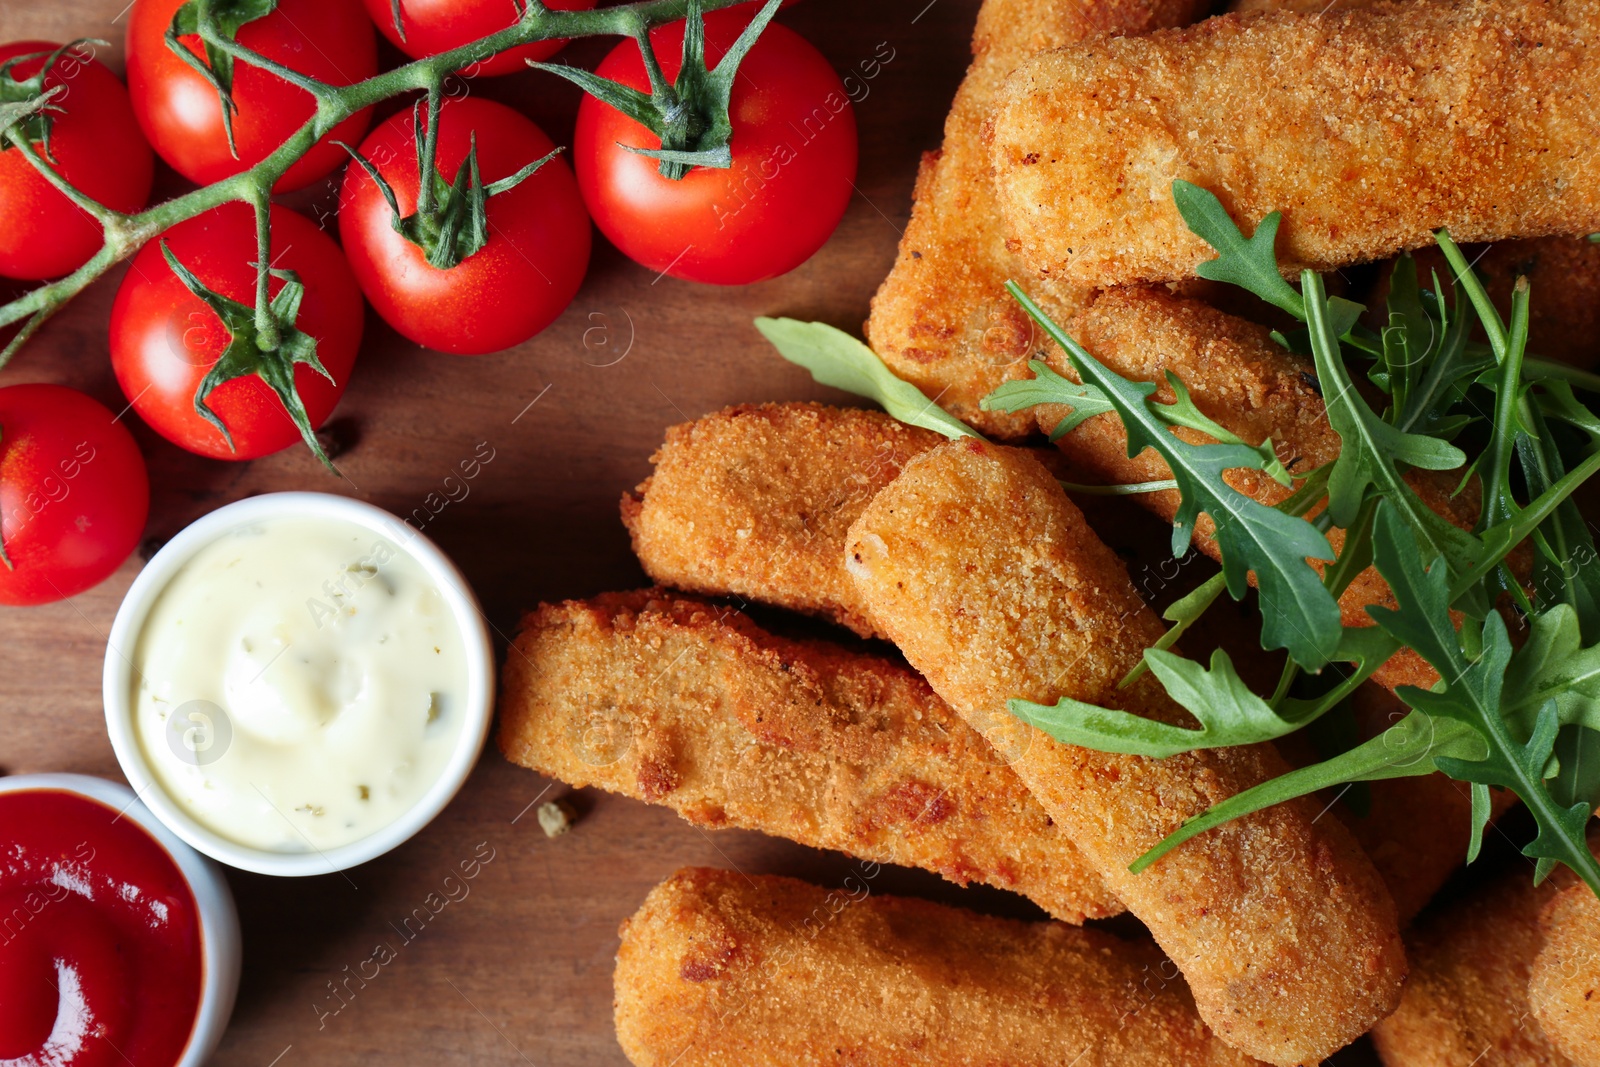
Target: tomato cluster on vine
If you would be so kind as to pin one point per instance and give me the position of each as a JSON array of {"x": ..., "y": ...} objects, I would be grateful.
[{"x": 459, "y": 221}]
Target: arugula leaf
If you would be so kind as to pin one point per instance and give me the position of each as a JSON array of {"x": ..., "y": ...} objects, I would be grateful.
[
  {"x": 1048, "y": 387},
  {"x": 1577, "y": 780},
  {"x": 1228, "y": 712},
  {"x": 1470, "y": 693},
  {"x": 1250, "y": 263},
  {"x": 1298, "y": 612},
  {"x": 1554, "y": 666},
  {"x": 836, "y": 359},
  {"x": 1370, "y": 448},
  {"x": 1182, "y": 613}
]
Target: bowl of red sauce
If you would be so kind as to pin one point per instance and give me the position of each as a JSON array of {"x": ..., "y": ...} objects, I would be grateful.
[{"x": 119, "y": 944}]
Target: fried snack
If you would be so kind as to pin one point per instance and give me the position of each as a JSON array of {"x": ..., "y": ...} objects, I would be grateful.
[
  {"x": 1563, "y": 274},
  {"x": 1304, "y": 7},
  {"x": 678, "y": 702},
  {"x": 986, "y": 576},
  {"x": 755, "y": 501},
  {"x": 1249, "y": 384},
  {"x": 1466, "y": 1002},
  {"x": 1370, "y": 129},
  {"x": 720, "y": 969},
  {"x": 942, "y": 319},
  {"x": 1564, "y": 989}
]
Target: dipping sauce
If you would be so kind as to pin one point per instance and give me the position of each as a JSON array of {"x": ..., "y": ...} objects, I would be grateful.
[
  {"x": 100, "y": 960},
  {"x": 299, "y": 684}
]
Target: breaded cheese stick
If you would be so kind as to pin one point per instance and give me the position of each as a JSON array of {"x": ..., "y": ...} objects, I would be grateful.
[
  {"x": 755, "y": 501},
  {"x": 719, "y": 969},
  {"x": 1466, "y": 1002},
  {"x": 1304, "y": 7},
  {"x": 678, "y": 702},
  {"x": 1564, "y": 278},
  {"x": 985, "y": 574},
  {"x": 1249, "y": 384},
  {"x": 1369, "y": 129},
  {"x": 942, "y": 319},
  {"x": 1564, "y": 988}
]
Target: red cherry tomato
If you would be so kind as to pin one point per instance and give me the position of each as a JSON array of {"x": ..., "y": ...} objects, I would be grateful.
[
  {"x": 94, "y": 144},
  {"x": 164, "y": 339},
  {"x": 794, "y": 162},
  {"x": 434, "y": 26},
  {"x": 330, "y": 40},
  {"x": 506, "y": 291},
  {"x": 73, "y": 493}
]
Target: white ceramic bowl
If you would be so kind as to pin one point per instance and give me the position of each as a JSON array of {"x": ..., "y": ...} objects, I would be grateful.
[
  {"x": 152, "y": 581},
  {"x": 219, "y": 919}
]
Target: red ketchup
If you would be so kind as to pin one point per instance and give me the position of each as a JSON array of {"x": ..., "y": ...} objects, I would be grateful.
[{"x": 100, "y": 959}]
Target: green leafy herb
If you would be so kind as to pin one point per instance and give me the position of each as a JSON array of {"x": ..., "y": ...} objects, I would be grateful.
[
  {"x": 836, "y": 359},
  {"x": 1228, "y": 713},
  {"x": 1298, "y": 612},
  {"x": 1048, "y": 387},
  {"x": 1250, "y": 263}
]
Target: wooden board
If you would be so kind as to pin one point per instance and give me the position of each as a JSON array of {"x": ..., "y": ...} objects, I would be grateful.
[{"x": 518, "y": 971}]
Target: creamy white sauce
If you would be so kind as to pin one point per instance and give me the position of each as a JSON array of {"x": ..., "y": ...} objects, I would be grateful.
[{"x": 339, "y": 670}]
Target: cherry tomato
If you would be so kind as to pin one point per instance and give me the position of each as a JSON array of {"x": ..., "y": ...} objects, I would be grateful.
[
  {"x": 506, "y": 291},
  {"x": 73, "y": 493},
  {"x": 794, "y": 162},
  {"x": 94, "y": 144},
  {"x": 164, "y": 339},
  {"x": 330, "y": 40},
  {"x": 434, "y": 26}
]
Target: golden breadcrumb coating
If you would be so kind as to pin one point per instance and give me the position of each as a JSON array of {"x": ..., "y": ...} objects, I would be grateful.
[
  {"x": 720, "y": 969},
  {"x": 719, "y": 516},
  {"x": 1369, "y": 129},
  {"x": 1249, "y": 384},
  {"x": 1305, "y": 7},
  {"x": 942, "y": 319},
  {"x": 1564, "y": 989},
  {"x": 1564, "y": 290},
  {"x": 986, "y": 576},
  {"x": 1466, "y": 1002},
  {"x": 678, "y": 702}
]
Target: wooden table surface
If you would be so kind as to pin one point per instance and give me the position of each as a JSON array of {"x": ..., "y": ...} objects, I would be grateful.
[{"x": 520, "y": 970}]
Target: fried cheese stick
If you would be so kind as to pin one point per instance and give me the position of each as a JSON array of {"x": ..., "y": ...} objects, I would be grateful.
[
  {"x": 1466, "y": 1002},
  {"x": 1240, "y": 377},
  {"x": 1564, "y": 277},
  {"x": 1564, "y": 988},
  {"x": 942, "y": 319},
  {"x": 755, "y": 501},
  {"x": 719, "y": 969},
  {"x": 986, "y": 576},
  {"x": 678, "y": 702},
  {"x": 1369, "y": 129}
]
